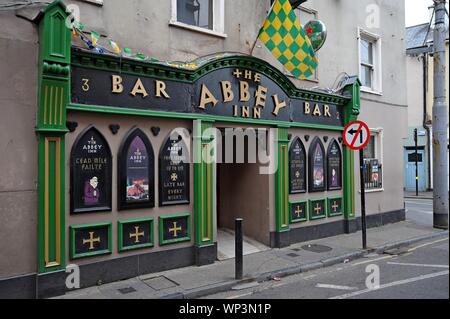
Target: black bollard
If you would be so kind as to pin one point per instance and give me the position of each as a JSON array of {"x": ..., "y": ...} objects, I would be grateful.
[{"x": 238, "y": 248}]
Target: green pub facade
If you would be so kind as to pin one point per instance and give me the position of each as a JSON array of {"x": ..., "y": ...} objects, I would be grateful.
[{"x": 129, "y": 179}]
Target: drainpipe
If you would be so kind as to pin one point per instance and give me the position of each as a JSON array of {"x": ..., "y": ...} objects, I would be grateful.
[{"x": 425, "y": 126}]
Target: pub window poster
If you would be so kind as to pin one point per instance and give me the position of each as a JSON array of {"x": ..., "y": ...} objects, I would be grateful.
[
  {"x": 136, "y": 172},
  {"x": 91, "y": 171},
  {"x": 334, "y": 159},
  {"x": 174, "y": 172},
  {"x": 316, "y": 166},
  {"x": 297, "y": 167}
]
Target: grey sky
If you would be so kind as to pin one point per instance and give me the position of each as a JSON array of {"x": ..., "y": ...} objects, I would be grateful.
[{"x": 417, "y": 11}]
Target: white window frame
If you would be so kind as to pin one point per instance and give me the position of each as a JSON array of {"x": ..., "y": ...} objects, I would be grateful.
[
  {"x": 218, "y": 19},
  {"x": 98, "y": 2},
  {"x": 375, "y": 39},
  {"x": 378, "y": 141}
]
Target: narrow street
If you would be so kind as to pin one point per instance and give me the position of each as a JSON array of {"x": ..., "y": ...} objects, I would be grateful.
[
  {"x": 417, "y": 272},
  {"x": 420, "y": 211}
]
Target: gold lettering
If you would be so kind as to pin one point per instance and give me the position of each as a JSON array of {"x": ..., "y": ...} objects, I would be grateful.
[
  {"x": 326, "y": 110},
  {"x": 237, "y": 73},
  {"x": 245, "y": 95},
  {"x": 139, "y": 89},
  {"x": 307, "y": 108},
  {"x": 257, "y": 113},
  {"x": 85, "y": 87},
  {"x": 245, "y": 111},
  {"x": 161, "y": 89},
  {"x": 206, "y": 97},
  {"x": 257, "y": 77},
  {"x": 235, "y": 110},
  {"x": 227, "y": 93},
  {"x": 317, "y": 110},
  {"x": 117, "y": 86},
  {"x": 278, "y": 105},
  {"x": 260, "y": 96},
  {"x": 248, "y": 74}
]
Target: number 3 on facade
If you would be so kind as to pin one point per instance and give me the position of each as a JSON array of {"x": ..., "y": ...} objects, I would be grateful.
[{"x": 85, "y": 85}]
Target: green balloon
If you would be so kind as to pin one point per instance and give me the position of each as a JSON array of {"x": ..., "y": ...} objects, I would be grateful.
[{"x": 317, "y": 33}]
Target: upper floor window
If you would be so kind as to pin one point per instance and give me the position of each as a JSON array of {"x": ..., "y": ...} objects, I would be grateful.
[
  {"x": 370, "y": 62},
  {"x": 196, "y": 12},
  {"x": 200, "y": 15}
]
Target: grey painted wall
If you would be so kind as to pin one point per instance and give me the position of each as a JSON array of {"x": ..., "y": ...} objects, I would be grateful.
[{"x": 18, "y": 145}]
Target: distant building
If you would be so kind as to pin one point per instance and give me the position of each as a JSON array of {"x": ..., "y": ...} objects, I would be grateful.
[{"x": 420, "y": 66}]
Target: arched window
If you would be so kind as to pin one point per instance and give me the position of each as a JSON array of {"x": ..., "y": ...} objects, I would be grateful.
[
  {"x": 334, "y": 166},
  {"x": 316, "y": 165},
  {"x": 174, "y": 171},
  {"x": 90, "y": 173},
  {"x": 297, "y": 167},
  {"x": 136, "y": 184}
]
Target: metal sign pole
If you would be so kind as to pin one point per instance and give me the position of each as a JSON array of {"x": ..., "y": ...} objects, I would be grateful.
[
  {"x": 416, "y": 160},
  {"x": 363, "y": 198}
]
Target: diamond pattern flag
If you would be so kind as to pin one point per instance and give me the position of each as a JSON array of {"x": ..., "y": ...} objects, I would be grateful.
[{"x": 288, "y": 42}]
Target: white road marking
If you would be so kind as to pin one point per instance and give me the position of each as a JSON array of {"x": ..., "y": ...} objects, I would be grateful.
[
  {"x": 418, "y": 265},
  {"x": 238, "y": 296},
  {"x": 335, "y": 287},
  {"x": 392, "y": 284},
  {"x": 371, "y": 260},
  {"x": 427, "y": 244}
]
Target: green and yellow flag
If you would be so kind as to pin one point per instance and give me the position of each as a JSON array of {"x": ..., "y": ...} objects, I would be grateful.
[{"x": 288, "y": 42}]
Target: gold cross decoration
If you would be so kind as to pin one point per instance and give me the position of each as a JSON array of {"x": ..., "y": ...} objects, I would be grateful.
[
  {"x": 335, "y": 206},
  {"x": 298, "y": 211},
  {"x": 136, "y": 234},
  {"x": 175, "y": 229},
  {"x": 317, "y": 209},
  {"x": 91, "y": 240}
]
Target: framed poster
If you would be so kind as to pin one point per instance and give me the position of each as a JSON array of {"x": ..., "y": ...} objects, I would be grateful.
[
  {"x": 297, "y": 167},
  {"x": 316, "y": 165},
  {"x": 334, "y": 166},
  {"x": 90, "y": 173},
  {"x": 174, "y": 172},
  {"x": 136, "y": 184}
]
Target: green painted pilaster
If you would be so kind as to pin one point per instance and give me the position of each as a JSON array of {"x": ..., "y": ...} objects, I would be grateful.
[
  {"x": 351, "y": 112},
  {"x": 53, "y": 90},
  {"x": 203, "y": 184},
  {"x": 282, "y": 181}
]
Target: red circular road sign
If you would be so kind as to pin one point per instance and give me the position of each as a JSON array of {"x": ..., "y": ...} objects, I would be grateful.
[{"x": 356, "y": 135}]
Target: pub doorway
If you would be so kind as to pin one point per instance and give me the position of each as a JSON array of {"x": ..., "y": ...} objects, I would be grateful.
[{"x": 242, "y": 192}]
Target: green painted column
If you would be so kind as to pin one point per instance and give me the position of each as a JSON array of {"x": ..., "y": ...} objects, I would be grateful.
[
  {"x": 53, "y": 90},
  {"x": 203, "y": 184},
  {"x": 351, "y": 112},
  {"x": 281, "y": 189}
]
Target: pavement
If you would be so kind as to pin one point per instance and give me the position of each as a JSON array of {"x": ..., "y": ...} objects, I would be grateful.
[
  {"x": 421, "y": 195},
  {"x": 273, "y": 264},
  {"x": 420, "y": 271}
]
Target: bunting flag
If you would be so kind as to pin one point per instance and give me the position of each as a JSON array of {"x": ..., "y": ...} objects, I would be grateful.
[
  {"x": 115, "y": 47},
  {"x": 94, "y": 38},
  {"x": 285, "y": 38},
  {"x": 93, "y": 43}
]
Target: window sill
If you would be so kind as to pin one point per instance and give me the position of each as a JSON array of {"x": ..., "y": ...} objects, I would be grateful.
[
  {"x": 366, "y": 89},
  {"x": 375, "y": 190},
  {"x": 197, "y": 29}
]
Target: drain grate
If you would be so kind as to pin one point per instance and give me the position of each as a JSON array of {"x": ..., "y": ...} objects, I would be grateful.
[
  {"x": 160, "y": 283},
  {"x": 316, "y": 248},
  {"x": 126, "y": 290}
]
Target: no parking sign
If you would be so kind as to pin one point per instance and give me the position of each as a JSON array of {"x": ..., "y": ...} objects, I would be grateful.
[{"x": 356, "y": 135}]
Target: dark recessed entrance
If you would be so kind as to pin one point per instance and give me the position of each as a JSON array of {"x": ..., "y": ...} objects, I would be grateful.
[{"x": 242, "y": 192}]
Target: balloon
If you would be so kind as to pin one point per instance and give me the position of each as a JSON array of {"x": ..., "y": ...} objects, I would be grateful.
[{"x": 317, "y": 33}]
